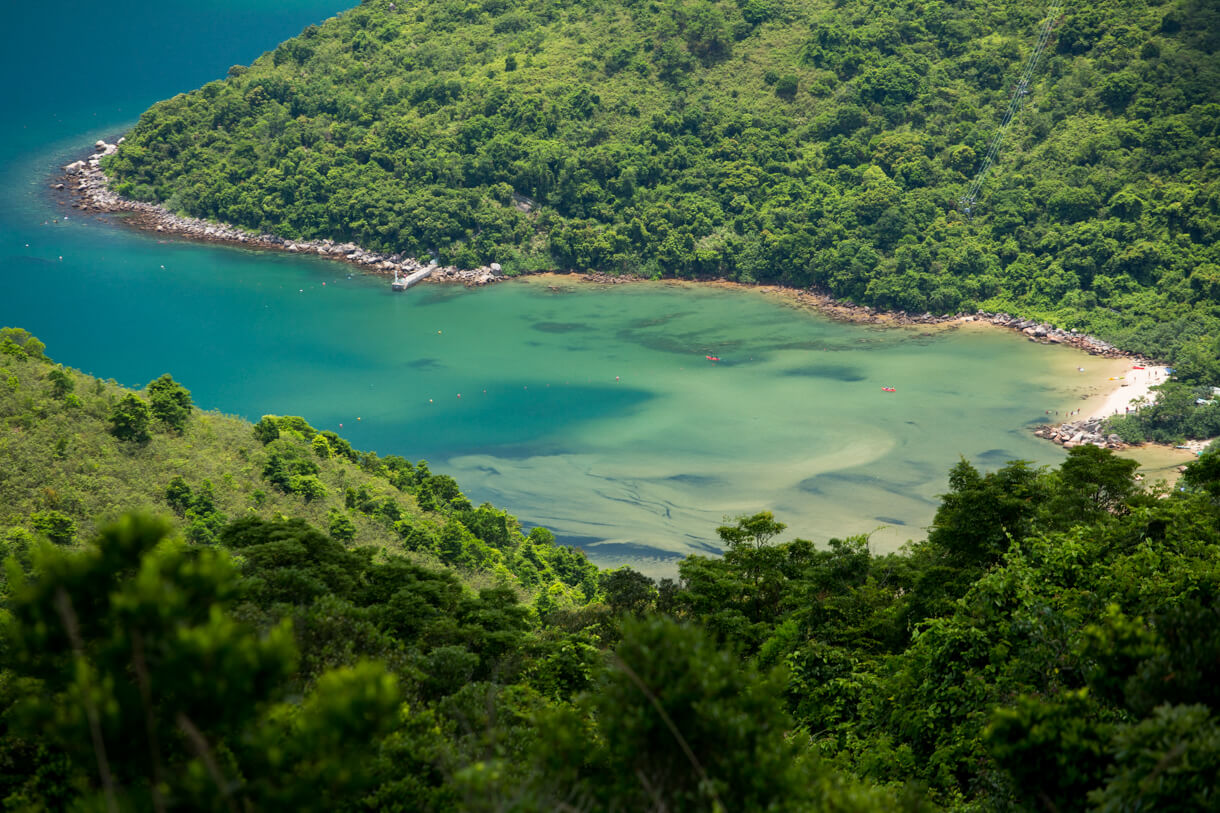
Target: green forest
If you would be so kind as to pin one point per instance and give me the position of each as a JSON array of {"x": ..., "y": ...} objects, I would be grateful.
[
  {"x": 808, "y": 143},
  {"x": 199, "y": 612}
]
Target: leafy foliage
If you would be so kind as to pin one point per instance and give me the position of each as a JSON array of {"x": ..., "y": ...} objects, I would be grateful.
[
  {"x": 129, "y": 419},
  {"x": 774, "y": 141},
  {"x": 1180, "y": 411},
  {"x": 1052, "y": 643},
  {"x": 169, "y": 402},
  {"x": 204, "y": 468}
]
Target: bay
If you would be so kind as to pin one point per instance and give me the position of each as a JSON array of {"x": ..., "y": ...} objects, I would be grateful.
[{"x": 591, "y": 410}]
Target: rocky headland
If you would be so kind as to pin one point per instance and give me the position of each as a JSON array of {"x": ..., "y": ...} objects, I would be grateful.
[
  {"x": 1079, "y": 433},
  {"x": 91, "y": 192}
]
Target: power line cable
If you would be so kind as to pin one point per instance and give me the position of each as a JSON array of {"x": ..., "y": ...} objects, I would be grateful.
[{"x": 1019, "y": 96}]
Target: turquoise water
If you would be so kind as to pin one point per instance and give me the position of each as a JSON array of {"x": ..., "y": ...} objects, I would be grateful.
[{"x": 590, "y": 410}]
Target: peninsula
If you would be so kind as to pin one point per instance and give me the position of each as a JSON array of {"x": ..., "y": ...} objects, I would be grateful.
[{"x": 783, "y": 143}]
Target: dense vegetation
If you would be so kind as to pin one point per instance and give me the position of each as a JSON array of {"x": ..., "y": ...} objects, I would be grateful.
[
  {"x": 1052, "y": 644},
  {"x": 83, "y": 451},
  {"x": 790, "y": 141},
  {"x": 1178, "y": 412}
]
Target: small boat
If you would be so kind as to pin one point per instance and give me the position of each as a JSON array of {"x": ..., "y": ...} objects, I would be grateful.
[
  {"x": 713, "y": 358},
  {"x": 889, "y": 389},
  {"x": 1137, "y": 367}
]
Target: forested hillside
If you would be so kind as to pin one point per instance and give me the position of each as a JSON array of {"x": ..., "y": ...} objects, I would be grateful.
[
  {"x": 802, "y": 142},
  {"x": 77, "y": 451},
  {"x": 1051, "y": 645}
]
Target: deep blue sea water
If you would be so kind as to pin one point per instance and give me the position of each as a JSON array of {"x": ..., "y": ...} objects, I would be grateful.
[{"x": 593, "y": 411}]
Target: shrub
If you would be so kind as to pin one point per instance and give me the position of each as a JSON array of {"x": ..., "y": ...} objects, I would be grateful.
[{"x": 54, "y": 525}]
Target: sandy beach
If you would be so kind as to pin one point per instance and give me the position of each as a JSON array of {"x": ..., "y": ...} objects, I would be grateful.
[{"x": 1129, "y": 386}]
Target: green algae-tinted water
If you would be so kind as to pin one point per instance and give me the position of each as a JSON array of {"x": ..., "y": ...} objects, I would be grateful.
[{"x": 587, "y": 409}]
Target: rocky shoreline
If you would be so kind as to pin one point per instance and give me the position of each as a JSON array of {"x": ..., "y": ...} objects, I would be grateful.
[
  {"x": 89, "y": 190},
  {"x": 1080, "y": 433}
]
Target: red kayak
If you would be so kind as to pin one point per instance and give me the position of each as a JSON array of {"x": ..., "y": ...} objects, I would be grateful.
[
  {"x": 713, "y": 358},
  {"x": 889, "y": 389}
]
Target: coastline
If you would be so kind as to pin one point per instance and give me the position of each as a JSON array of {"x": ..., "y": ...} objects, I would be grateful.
[
  {"x": 1136, "y": 384},
  {"x": 88, "y": 190}
]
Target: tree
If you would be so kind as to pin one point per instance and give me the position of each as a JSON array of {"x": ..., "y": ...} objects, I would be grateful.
[
  {"x": 170, "y": 402},
  {"x": 981, "y": 513},
  {"x": 786, "y": 87},
  {"x": 54, "y": 525},
  {"x": 681, "y": 726},
  {"x": 61, "y": 382},
  {"x": 1198, "y": 361},
  {"x": 1170, "y": 760},
  {"x": 308, "y": 486},
  {"x": 320, "y": 447},
  {"x": 144, "y": 690},
  {"x": 628, "y": 591},
  {"x": 1203, "y": 474},
  {"x": 1055, "y": 752},
  {"x": 340, "y": 525},
  {"x": 129, "y": 420},
  {"x": 178, "y": 495},
  {"x": 266, "y": 429},
  {"x": 751, "y": 531},
  {"x": 706, "y": 32},
  {"x": 132, "y": 669},
  {"x": 1091, "y": 482}
]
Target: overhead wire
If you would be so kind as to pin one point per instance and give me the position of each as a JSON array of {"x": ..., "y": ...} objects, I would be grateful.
[{"x": 1019, "y": 95}]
